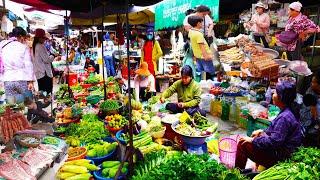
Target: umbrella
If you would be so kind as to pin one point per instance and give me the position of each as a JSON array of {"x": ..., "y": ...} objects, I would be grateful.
[{"x": 137, "y": 15}]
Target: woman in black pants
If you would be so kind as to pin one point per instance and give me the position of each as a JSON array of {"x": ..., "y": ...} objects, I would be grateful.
[{"x": 42, "y": 62}]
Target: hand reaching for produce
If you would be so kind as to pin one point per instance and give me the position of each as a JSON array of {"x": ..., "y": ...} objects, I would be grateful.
[
  {"x": 244, "y": 140},
  {"x": 162, "y": 100},
  {"x": 257, "y": 133}
]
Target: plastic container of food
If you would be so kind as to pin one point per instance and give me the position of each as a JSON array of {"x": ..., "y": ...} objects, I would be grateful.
[{"x": 80, "y": 156}]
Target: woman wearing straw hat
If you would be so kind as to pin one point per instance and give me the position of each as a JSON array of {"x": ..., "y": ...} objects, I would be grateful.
[
  {"x": 144, "y": 83},
  {"x": 259, "y": 24}
]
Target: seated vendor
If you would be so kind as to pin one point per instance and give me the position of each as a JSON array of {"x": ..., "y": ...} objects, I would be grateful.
[
  {"x": 188, "y": 91},
  {"x": 90, "y": 63},
  {"x": 280, "y": 139},
  {"x": 144, "y": 83}
]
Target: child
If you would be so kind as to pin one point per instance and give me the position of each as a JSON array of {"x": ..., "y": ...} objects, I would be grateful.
[
  {"x": 36, "y": 112},
  {"x": 200, "y": 47}
]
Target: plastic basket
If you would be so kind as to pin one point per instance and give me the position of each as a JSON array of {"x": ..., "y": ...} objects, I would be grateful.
[{"x": 227, "y": 151}]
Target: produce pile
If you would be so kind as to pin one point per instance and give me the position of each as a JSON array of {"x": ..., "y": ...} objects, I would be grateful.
[
  {"x": 176, "y": 165},
  {"x": 109, "y": 105},
  {"x": 89, "y": 130},
  {"x": 76, "y": 169},
  {"x": 12, "y": 122},
  {"x": 110, "y": 168},
  {"x": 92, "y": 79},
  {"x": 100, "y": 149},
  {"x": 196, "y": 126},
  {"x": 116, "y": 121},
  {"x": 304, "y": 164}
]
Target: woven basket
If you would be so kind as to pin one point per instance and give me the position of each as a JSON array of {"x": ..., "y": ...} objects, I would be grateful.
[{"x": 20, "y": 137}]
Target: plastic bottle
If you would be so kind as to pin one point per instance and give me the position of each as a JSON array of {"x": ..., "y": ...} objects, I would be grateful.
[
  {"x": 232, "y": 113},
  {"x": 225, "y": 110}
]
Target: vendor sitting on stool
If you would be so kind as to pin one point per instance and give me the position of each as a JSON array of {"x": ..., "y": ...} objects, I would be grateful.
[
  {"x": 144, "y": 83},
  {"x": 188, "y": 91},
  {"x": 278, "y": 141}
]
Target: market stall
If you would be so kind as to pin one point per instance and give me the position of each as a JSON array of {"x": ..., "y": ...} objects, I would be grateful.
[{"x": 100, "y": 131}]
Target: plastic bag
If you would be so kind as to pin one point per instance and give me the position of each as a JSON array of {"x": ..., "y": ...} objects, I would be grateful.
[{"x": 205, "y": 103}]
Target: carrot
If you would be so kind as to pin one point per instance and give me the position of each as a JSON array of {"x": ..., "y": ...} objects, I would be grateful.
[
  {"x": 10, "y": 129},
  {"x": 14, "y": 127},
  {"x": 5, "y": 132}
]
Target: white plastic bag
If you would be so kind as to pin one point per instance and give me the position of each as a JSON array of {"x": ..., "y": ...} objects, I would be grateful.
[{"x": 206, "y": 102}]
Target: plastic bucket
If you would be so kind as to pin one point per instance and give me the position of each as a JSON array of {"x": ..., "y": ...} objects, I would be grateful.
[
  {"x": 73, "y": 79},
  {"x": 227, "y": 151}
]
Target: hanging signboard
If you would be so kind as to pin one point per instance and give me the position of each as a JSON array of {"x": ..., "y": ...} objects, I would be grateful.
[{"x": 171, "y": 13}]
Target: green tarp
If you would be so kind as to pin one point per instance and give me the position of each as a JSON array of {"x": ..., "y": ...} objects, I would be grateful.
[{"x": 171, "y": 13}]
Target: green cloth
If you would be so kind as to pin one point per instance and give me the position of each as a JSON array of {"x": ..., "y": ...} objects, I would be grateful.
[{"x": 188, "y": 95}]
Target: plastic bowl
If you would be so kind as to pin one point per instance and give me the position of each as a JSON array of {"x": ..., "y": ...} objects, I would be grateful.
[
  {"x": 119, "y": 138},
  {"x": 98, "y": 175},
  {"x": 81, "y": 156},
  {"x": 99, "y": 160},
  {"x": 159, "y": 134}
]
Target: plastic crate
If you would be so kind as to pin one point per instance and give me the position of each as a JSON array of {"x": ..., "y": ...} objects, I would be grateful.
[
  {"x": 243, "y": 121},
  {"x": 255, "y": 124}
]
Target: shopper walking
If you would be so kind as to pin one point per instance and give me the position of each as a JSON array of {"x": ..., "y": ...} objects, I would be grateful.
[
  {"x": 108, "y": 59},
  {"x": 17, "y": 73},
  {"x": 259, "y": 24},
  {"x": 42, "y": 62}
]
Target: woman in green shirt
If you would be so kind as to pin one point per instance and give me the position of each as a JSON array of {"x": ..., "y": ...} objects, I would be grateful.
[{"x": 188, "y": 91}]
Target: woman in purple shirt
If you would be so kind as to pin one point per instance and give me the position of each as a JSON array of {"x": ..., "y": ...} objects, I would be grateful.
[{"x": 280, "y": 140}]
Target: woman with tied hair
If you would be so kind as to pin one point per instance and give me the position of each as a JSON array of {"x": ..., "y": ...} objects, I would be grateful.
[{"x": 280, "y": 139}]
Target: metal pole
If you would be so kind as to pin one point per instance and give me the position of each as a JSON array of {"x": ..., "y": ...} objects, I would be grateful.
[
  {"x": 67, "y": 60},
  {"x": 129, "y": 84},
  {"x": 315, "y": 37},
  {"x": 102, "y": 31}
]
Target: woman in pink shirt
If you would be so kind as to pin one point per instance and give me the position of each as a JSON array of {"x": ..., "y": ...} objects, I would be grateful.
[
  {"x": 300, "y": 24},
  {"x": 144, "y": 83},
  {"x": 259, "y": 24}
]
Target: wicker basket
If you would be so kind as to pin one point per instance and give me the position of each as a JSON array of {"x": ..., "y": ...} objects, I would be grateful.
[{"x": 19, "y": 139}]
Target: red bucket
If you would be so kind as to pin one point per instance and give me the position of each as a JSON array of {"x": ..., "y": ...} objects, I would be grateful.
[{"x": 73, "y": 79}]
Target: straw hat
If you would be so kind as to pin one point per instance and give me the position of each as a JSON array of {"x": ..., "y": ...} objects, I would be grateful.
[{"x": 143, "y": 70}]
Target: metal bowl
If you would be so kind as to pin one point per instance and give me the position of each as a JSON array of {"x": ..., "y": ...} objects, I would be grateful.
[
  {"x": 258, "y": 45},
  {"x": 270, "y": 52},
  {"x": 282, "y": 62}
]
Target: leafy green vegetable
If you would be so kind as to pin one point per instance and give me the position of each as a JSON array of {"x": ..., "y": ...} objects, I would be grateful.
[
  {"x": 92, "y": 79},
  {"x": 90, "y": 129},
  {"x": 109, "y": 105},
  {"x": 304, "y": 164},
  {"x": 184, "y": 167}
]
